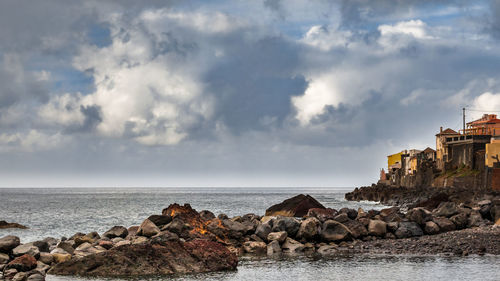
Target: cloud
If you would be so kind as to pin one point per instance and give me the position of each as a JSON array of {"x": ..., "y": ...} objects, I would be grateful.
[{"x": 31, "y": 141}]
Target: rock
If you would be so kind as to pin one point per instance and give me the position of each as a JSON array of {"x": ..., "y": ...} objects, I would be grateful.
[
  {"x": 322, "y": 214},
  {"x": 254, "y": 237},
  {"x": 121, "y": 243},
  {"x": 460, "y": 220},
  {"x": 475, "y": 219},
  {"x": 132, "y": 231},
  {"x": 273, "y": 248},
  {"x": 176, "y": 226},
  {"x": 20, "y": 276},
  {"x": 42, "y": 267},
  {"x": 342, "y": 217},
  {"x": 58, "y": 258},
  {"x": 5, "y": 225},
  {"x": 46, "y": 258},
  {"x": 236, "y": 229},
  {"x": 446, "y": 209},
  {"x": 419, "y": 215},
  {"x": 84, "y": 239},
  {"x": 362, "y": 213},
  {"x": 377, "y": 228},
  {"x": 408, "y": 229},
  {"x": 431, "y": 228},
  {"x": 309, "y": 229},
  {"x": 36, "y": 277},
  {"x": 267, "y": 219},
  {"x": 207, "y": 215},
  {"x": 444, "y": 224},
  {"x": 389, "y": 211},
  {"x": 26, "y": 249},
  {"x": 392, "y": 226},
  {"x": 43, "y": 246},
  {"x": 8, "y": 243},
  {"x": 83, "y": 247},
  {"x": 356, "y": 228},
  {"x": 328, "y": 250},
  {"x": 4, "y": 258},
  {"x": 335, "y": 231},
  {"x": 106, "y": 244},
  {"x": 291, "y": 246},
  {"x": 51, "y": 241},
  {"x": 262, "y": 231},
  {"x": 22, "y": 263},
  {"x": 277, "y": 236},
  {"x": 495, "y": 213},
  {"x": 289, "y": 224},
  {"x": 58, "y": 251},
  {"x": 148, "y": 229},
  {"x": 351, "y": 213},
  {"x": 116, "y": 231},
  {"x": 165, "y": 236},
  {"x": 152, "y": 259},
  {"x": 160, "y": 220},
  {"x": 297, "y": 206},
  {"x": 258, "y": 248},
  {"x": 66, "y": 246},
  {"x": 140, "y": 240},
  {"x": 9, "y": 273}
]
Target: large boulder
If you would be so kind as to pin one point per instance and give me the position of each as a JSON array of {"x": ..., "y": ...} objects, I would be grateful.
[
  {"x": 297, "y": 206},
  {"x": 460, "y": 220},
  {"x": 116, "y": 231},
  {"x": 8, "y": 243},
  {"x": 356, "y": 228},
  {"x": 408, "y": 229},
  {"x": 148, "y": 229},
  {"x": 26, "y": 249},
  {"x": 152, "y": 259},
  {"x": 377, "y": 228},
  {"x": 419, "y": 215},
  {"x": 446, "y": 209},
  {"x": 351, "y": 213},
  {"x": 257, "y": 248},
  {"x": 335, "y": 231},
  {"x": 277, "y": 236},
  {"x": 431, "y": 228},
  {"x": 160, "y": 220},
  {"x": 309, "y": 229},
  {"x": 444, "y": 224},
  {"x": 22, "y": 263},
  {"x": 291, "y": 246},
  {"x": 289, "y": 224},
  {"x": 236, "y": 229},
  {"x": 322, "y": 214}
]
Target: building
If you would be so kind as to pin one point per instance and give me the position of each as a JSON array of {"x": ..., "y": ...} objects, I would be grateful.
[
  {"x": 394, "y": 161},
  {"x": 441, "y": 148},
  {"x": 410, "y": 160},
  {"x": 489, "y": 125},
  {"x": 429, "y": 154},
  {"x": 492, "y": 154}
]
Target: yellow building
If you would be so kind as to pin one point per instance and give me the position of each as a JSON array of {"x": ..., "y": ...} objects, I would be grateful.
[
  {"x": 492, "y": 157},
  {"x": 394, "y": 161},
  {"x": 413, "y": 165}
]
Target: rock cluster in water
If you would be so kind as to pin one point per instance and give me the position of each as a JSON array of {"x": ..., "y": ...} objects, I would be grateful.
[{"x": 183, "y": 240}]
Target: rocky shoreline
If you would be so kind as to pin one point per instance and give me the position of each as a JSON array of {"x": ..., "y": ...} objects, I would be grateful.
[{"x": 183, "y": 240}]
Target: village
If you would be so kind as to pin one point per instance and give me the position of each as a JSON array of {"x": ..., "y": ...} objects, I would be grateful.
[{"x": 467, "y": 158}]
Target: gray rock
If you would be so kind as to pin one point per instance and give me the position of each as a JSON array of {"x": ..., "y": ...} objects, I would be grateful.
[
  {"x": 207, "y": 215},
  {"x": 148, "y": 229},
  {"x": 51, "y": 241},
  {"x": 4, "y": 258},
  {"x": 26, "y": 249},
  {"x": 176, "y": 226},
  {"x": 475, "y": 219},
  {"x": 20, "y": 276},
  {"x": 335, "y": 231},
  {"x": 43, "y": 246},
  {"x": 46, "y": 258},
  {"x": 160, "y": 220},
  {"x": 165, "y": 236},
  {"x": 291, "y": 246},
  {"x": 357, "y": 229},
  {"x": 236, "y": 229},
  {"x": 431, "y": 228},
  {"x": 342, "y": 217},
  {"x": 408, "y": 229},
  {"x": 116, "y": 231},
  {"x": 444, "y": 224},
  {"x": 277, "y": 236},
  {"x": 392, "y": 226},
  {"x": 419, "y": 215},
  {"x": 66, "y": 246},
  {"x": 257, "y": 248},
  {"x": 273, "y": 248},
  {"x": 36, "y": 277},
  {"x": 328, "y": 250},
  {"x": 351, "y": 213},
  {"x": 460, "y": 220},
  {"x": 495, "y": 213},
  {"x": 309, "y": 229},
  {"x": 446, "y": 209},
  {"x": 262, "y": 231},
  {"x": 377, "y": 228},
  {"x": 8, "y": 243}
]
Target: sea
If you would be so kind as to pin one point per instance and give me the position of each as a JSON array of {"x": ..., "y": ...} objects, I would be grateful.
[{"x": 58, "y": 212}]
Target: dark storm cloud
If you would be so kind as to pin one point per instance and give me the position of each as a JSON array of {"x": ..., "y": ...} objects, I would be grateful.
[
  {"x": 493, "y": 25},
  {"x": 275, "y": 6}
]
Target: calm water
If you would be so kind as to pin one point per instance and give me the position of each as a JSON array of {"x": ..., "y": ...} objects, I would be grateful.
[{"x": 63, "y": 212}]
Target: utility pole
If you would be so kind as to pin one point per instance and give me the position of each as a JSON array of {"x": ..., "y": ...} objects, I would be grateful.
[{"x": 463, "y": 115}]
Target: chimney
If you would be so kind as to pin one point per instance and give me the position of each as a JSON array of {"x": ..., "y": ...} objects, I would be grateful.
[{"x": 441, "y": 129}]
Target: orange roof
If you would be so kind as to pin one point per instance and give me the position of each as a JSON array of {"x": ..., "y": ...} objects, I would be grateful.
[
  {"x": 429, "y": 150},
  {"x": 486, "y": 119}
]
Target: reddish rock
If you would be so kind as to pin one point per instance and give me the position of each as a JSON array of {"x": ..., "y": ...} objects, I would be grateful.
[
  {"x": 152, "y": 259},
  {"x": 297, "y": 206},
  {"x": 23, "y": 263}
]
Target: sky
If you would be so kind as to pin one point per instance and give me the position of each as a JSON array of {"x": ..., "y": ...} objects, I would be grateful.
[{"x": 309, "y": 93}]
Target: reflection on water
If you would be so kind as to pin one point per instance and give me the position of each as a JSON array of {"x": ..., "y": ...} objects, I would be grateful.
[{"x": 375, "y": 268}]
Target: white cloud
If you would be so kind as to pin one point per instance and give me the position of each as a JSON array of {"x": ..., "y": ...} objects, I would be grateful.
[
  {"x": 485, "y": 103},
  {"x": 31, "y": 141},
  {"x": 62, "y": 110},
  {"x": 326, "y": 38}
]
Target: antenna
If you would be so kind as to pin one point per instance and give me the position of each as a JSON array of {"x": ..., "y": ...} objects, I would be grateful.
[{"x": 463, "y": 114}]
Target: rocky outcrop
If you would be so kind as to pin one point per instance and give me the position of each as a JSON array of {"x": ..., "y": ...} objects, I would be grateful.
[
  {"x": 5, "y": 225},
  {"x": 152, "y": 259},
  {"x": 8, "y": 243},
  {"x": 297, "y": 206}
]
